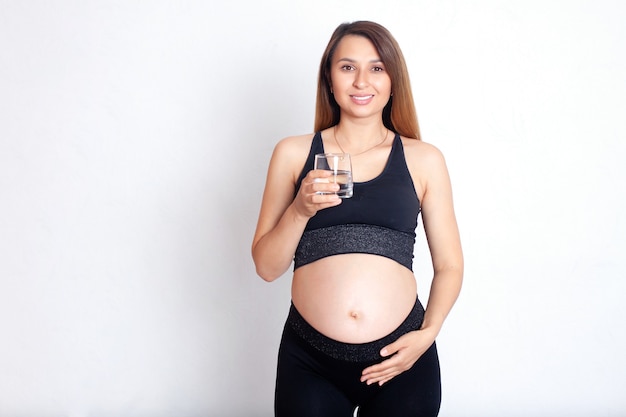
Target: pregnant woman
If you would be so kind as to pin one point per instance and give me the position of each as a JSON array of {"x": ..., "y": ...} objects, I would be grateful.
[{"x": 357, "y": 334}]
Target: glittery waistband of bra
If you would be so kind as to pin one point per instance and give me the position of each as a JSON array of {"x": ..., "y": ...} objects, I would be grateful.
[{"x": 355, "y": 238}]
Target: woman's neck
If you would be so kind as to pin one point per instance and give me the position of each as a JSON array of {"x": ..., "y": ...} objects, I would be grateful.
[
  {"x": 358, "y": 136},
  {"x": 359, "y": 139}
]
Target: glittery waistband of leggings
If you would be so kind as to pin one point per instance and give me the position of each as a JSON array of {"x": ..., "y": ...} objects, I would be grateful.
[{"x": 352, "y": 352}]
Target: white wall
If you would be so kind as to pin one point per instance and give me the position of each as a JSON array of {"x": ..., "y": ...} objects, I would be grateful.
[{"x": 134, "y": 140}]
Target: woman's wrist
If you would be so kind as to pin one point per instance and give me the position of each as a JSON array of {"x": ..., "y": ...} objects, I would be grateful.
[{"x": 431, "y": 328}]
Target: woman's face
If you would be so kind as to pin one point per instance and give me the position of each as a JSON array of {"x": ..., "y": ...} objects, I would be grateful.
[{"x": 360, "y": 83}]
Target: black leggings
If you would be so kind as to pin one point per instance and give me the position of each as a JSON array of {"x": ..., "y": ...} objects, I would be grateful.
[{"x": 320, "y": 377}]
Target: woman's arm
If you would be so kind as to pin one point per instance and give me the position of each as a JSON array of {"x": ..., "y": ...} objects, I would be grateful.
[
  {"x": 444, "y": 242},
  {"x": 282, "y": 218}
]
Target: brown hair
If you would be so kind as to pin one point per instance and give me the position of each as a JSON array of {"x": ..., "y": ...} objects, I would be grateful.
[{"x": 399, "y": 114}]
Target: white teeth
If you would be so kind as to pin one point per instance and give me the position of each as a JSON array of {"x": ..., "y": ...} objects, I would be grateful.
[{"x": 363, "y": 98}]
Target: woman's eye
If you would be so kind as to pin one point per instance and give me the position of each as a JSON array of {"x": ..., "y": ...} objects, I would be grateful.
[
  {"x": 347, "y": 67},
  {"x": 378, "y": 69}
]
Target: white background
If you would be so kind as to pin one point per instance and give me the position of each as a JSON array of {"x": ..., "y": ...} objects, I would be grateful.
[{"x": 134, "y": 142}]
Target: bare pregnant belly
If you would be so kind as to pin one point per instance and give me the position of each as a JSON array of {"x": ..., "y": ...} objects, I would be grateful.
[{"x": 354, "y": 298}]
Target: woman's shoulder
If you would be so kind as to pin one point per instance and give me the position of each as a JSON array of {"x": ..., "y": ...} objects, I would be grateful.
[
  {"x": 295, "y": 143},
  {"x": 426, "y": 164},
  {"x": 290, "y": 153},
  {"x": 421, "y": 152}
]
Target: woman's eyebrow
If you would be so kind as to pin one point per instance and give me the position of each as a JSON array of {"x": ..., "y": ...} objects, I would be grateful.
[{"x": 373, "y": 61}]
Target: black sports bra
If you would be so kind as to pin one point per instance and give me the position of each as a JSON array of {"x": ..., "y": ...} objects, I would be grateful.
[{"x": 379, "y": 219}]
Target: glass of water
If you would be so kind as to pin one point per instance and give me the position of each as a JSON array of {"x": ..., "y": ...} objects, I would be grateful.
[{"x": 341, "y": 167}]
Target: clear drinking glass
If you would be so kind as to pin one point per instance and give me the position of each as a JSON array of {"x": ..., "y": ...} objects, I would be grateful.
[{"x": 341, "y": 167}]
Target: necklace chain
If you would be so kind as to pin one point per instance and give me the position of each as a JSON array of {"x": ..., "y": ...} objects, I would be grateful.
[{"x": 362, "y": 152}]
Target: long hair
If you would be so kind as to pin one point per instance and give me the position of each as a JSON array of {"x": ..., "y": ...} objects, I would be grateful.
[{"x": 399, "y": 114}]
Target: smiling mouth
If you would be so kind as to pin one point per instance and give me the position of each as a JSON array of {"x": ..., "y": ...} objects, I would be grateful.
[{"x": 362, "y": 98}]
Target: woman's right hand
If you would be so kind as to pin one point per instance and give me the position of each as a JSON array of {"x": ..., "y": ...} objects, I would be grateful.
[{"x": 316, "y": 193}]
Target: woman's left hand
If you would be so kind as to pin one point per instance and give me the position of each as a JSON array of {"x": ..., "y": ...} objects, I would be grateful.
[{"x": 408, "y": 349}]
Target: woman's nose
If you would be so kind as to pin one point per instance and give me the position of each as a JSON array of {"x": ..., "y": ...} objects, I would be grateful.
[{"x": 360, "y": 80}]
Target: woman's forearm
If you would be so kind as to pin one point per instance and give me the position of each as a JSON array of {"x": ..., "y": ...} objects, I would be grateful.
[
  {"x": 273, "y": 252},
  {"x": 444, "y": 291}
]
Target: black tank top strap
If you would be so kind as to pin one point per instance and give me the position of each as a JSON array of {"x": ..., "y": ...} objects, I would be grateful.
[{"x": 317, "y": 146}]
